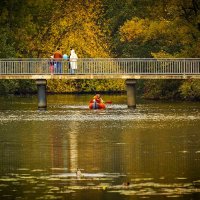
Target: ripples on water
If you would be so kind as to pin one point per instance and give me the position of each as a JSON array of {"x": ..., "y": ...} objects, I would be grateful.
[
  {"x": 130, "y": 144},
  {"x": 55, "y": 186},
  {"x": 112, "y": 113}
]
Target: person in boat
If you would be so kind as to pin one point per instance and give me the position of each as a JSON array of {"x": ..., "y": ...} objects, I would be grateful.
[
  {"x": 97, "y": 98},
  {"x": 97, "y": 102}
]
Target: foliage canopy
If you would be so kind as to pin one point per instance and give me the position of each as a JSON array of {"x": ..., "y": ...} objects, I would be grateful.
[{"x": 102, "y": 28}]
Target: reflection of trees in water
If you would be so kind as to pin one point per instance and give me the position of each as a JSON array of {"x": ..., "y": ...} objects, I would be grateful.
[
  {"x": 158, "y": 153},
  {"x": 64, "y": 151},
  {"x": 138, "y": 151},
  {"x": 73, "y": 146},
  {"x": 56, "y": 150}
]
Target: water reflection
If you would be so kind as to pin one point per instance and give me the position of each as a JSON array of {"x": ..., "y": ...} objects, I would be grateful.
[
  {"x": 65, "y": 152},
  {"x": 73, "y": 145},
  {"x": 155, "y": 147}
]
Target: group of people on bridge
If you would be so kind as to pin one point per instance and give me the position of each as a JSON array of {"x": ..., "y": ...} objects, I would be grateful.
[{"x": 58, "y": 57}]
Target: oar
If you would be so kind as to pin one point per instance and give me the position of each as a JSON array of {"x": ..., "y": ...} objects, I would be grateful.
[{"x": 108, "y": 102}]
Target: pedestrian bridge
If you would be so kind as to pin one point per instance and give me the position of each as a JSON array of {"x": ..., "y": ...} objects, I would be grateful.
[
  {"x": 130, "y": 69},
  {"x": 102, "y": 68}
]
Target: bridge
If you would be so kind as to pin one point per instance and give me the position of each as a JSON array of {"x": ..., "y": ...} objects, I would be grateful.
[{"x": 129, "y": 69}]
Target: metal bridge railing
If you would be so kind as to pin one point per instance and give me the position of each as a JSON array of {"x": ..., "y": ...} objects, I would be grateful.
[{"x": 105, "y": 66}]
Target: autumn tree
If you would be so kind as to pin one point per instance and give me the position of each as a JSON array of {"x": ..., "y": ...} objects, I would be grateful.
[
  {"x": 77, "y": 24},
  {"x": 170, "y": 26},
  {"x": 37, "y": 27}
]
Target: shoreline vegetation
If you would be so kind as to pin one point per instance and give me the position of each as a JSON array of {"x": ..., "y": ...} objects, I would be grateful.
[
  {"x": 103, "y": 29},
  {"x": 169, "y": 91}
]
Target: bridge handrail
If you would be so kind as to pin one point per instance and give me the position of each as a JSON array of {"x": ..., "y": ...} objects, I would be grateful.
[
  {"x": 101, "y": 66},
  {"x": 30, "y": 59}
]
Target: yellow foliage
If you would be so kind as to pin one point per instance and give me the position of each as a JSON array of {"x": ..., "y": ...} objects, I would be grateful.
[
  {"x": 77, "y": 25},
  {"x": 173, "y": 26},
  {"x": 162, "y": 54},
  {"x": 134, "y": 29}
]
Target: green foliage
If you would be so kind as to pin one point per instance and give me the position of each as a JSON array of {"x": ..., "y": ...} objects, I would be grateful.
[
  {"x": 116, "y": 13},
  {"x": 26, "y": 87},
  {"x": 88, "y": 86},
  {"x": 17, "y": 87},
  {"x": 6, "y": 43},
  {"x": 8, "y": 86},
  {"x": 161, "y": 89},
  {"x": 190, "y": 90}
]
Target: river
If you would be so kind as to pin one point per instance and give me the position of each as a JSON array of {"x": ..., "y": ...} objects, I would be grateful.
[{"x": 151, "y": 152}]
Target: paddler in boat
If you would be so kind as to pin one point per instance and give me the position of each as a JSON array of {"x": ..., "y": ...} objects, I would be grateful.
[
  {"x": 97, "y": 98},
  {"x": 97, "y": 102}
]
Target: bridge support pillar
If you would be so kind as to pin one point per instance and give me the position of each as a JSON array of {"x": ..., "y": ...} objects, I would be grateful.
[
  {"x": 42, "y": 101},
  {"x": 131, "y": 93}
]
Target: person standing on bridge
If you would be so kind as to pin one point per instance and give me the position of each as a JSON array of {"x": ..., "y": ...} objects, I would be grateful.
[
  {"x": 73, "y": 61},
  {"x": 58, "y": 58},
  {"x": 51, "y": 64}
]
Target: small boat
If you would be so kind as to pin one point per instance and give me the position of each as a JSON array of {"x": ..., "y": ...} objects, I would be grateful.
[{"x": 95, "y": 105}]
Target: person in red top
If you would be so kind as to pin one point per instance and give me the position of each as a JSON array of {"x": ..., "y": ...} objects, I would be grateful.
[
  {"x": 98, "y": 98},
  {"x": 97, "y": 102},
  {"x": 58, "y": 58}
]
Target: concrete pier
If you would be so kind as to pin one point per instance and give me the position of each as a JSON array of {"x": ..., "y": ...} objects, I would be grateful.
[
  {"x": 42, "y": 100},
  {"x": 131, "y": 93}
]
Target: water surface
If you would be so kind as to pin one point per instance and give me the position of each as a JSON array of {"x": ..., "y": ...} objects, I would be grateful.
[{"x": 155, "y": 148}]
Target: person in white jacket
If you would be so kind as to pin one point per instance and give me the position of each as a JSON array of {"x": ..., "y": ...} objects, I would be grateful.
[{"x": 73, "y": 61}]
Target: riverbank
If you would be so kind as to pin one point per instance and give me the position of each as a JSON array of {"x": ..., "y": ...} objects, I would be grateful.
[{"x": 146, "y": 89}]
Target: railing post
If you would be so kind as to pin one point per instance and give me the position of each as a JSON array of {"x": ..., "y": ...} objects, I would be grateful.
[
  {"x": 42, "y": 101},
  {"x": 131, "y": 93}
]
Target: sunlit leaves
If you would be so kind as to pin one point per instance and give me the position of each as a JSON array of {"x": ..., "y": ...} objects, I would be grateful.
[
  {"x": 190, "y": 90},
  {"x": 78, "y": 25},
  {"x": 171, "y": 24},
  {"x": 134, "y": 29}
]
